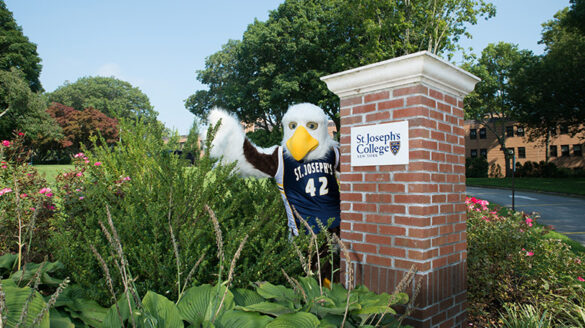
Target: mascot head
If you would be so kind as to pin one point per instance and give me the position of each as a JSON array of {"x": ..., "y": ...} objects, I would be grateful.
[{"x": 305, "y": 132}]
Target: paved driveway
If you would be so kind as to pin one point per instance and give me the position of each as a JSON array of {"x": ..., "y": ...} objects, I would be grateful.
[{"x": 565, "y": 214}]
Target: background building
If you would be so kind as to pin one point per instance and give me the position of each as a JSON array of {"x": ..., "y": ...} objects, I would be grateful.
[{"x": 564, "y": 150}]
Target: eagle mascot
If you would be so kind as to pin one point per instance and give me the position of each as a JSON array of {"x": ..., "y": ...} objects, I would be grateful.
[{"x": 304, "y": 165}]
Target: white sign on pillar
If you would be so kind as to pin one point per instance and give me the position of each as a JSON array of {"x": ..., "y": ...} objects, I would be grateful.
[{"x": 382, "y": 144}]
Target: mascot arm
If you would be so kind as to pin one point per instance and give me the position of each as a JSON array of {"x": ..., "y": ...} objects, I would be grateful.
[
  {"x": 264, "y": 162},
  {"x": 231, "y": 145}
]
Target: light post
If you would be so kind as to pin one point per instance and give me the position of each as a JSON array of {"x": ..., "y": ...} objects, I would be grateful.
[{"x": 511, "y": 152}]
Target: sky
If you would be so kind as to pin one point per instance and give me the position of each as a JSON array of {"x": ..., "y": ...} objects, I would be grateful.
[{"x": 158, "y": 46}]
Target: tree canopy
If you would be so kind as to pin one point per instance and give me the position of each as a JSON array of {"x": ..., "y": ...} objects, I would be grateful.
[
  {"x": 113, "y": 97},
  {"x": 548, "y": 92},
  {"x": 490, "y": 103},
  {"x": 25, "y": 109},
  {"x": 16, "y": 51},
  {"x": 79, "y": 126},
  {"x": 279, "y": 62}
]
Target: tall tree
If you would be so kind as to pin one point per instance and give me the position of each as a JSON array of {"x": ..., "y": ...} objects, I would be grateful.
[
  {"x": 24, "y": 109},
  {"x": 16, "y": 51},
  {"x": 490, "y": 103},
  {"x": 279, "y": 62},
  {"x": 113, "y": 97},
  {"x": 549, "y": 91},
  {"x": 576, "y": 15}
]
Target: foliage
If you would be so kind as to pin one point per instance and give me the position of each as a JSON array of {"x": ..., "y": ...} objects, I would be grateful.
[
  {"x": 490, "y": 102},
  {"x": 576, "y": 17},
  {"x": 268, "y": 306},
  {"x": 524, "y": 316},
  {"x": 26, "y": 204},
  {"x": 25, "y": 110},
  {"x": 476, "y": 167},
  {"x": 115, "y": 98},
  {"x": 79, "y": 126},
  {"x": 543, "y": 169},
  {"x": 148, "y": 189},
  {"x": 548, "y": 91},
  {"x": 310, "y": 303},
  {"x": 279, "y": 62},
  {"x": 16, "y": 50},
  {"x": 509, "y": 261},
  {"x": 51, "y": 298},
  {"x": 264, "y": 138}
]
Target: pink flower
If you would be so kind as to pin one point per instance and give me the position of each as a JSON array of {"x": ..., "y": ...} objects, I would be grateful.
[
  {"x": 23, "y": 195},
  {"x": 44, "y": 190},
  {"x": 20, "y": 134},
  {"x": 529, "y": 253},
  {"x": 4, "y": 166},
  {"x": 97, "y": 163},
  {"x": 5, "y": 143},
  {"x": 4, "y": 191},
  {"x": 126, "y": 179},
  {"x": 79, "y": 155},
  {"x": 580, "y": 278},
  {"x": 81, "y": 197},
  {"x": 79, "y": 174}
]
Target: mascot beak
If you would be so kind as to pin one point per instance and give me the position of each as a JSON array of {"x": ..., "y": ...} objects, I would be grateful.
[{"x": 301, "y": 143}]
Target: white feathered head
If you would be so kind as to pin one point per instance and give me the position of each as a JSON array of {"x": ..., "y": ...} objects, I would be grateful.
[{"x": 305, "y": 132}]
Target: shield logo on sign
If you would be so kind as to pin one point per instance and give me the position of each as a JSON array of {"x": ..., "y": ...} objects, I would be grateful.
[{"x": 394, "y": 147}]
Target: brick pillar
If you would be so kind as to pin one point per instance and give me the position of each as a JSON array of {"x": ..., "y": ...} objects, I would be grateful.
[{"x": 396, "y": 216}]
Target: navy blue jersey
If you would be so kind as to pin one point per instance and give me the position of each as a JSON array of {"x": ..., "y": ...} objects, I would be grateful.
[{"x": 311, "y": 187}]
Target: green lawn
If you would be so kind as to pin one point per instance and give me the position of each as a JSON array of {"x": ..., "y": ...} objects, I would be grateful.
[
  {"x": 51, "y": 171},
  {"x": 575, "y": 186}
]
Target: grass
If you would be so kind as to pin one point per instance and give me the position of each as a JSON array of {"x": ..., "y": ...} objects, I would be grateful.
[
  {"x": 573, "y": 186},
  {"x": 50, "y": 171}
]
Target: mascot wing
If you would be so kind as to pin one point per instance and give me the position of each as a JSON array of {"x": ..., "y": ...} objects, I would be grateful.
[{"x": 231, "y": 145}]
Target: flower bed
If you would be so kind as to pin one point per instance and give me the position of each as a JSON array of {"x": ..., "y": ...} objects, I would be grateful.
[{"x": 511, "y": 263}]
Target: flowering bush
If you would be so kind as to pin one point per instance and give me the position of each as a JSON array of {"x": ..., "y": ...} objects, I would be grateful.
[
  {"x": 26, "y": 203},
  {"x": 510, "y": 261}
]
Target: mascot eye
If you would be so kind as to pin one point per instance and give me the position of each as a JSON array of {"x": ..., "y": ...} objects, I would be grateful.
[
  {"x": 292, "y": 125},
  {"x": 312, "y": 125}
]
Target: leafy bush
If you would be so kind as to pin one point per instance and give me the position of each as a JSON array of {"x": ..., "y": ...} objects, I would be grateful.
[
  {"x": 476, "y": 167},
  {"x": 310, "y": 302},
  {"x": 543, "y": 169},
  {"x": 26, "y": 204},
  {"x": 510, "y": 261},
  {"x": 157, "y": 201}
]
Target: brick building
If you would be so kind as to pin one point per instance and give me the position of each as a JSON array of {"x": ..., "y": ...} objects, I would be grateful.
[{"x": 480, "y": 141}]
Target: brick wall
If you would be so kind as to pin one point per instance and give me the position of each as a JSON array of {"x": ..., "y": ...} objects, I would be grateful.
[{"x": 398, "y": 216}]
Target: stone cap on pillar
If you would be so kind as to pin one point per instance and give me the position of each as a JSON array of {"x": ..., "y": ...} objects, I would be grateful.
[{"x": 421, "y": 67}]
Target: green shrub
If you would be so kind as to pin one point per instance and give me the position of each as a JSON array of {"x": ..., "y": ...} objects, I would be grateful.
[
  {"x": 26, "y": 204},
  {"x": 510, "y": 261},
  {"x": 476, "y": 167},
  {"x": 148, "y": 190}
]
